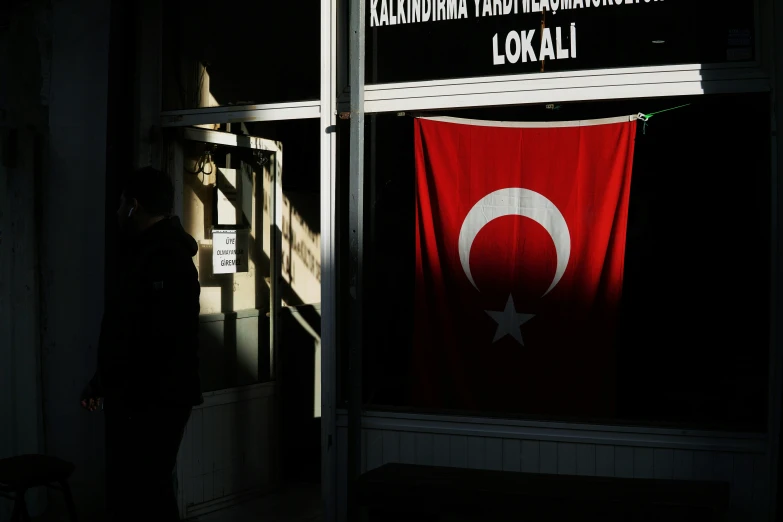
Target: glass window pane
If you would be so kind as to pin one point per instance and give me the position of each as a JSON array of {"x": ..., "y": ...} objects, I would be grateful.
[
  {"x": 301, "y": 218},
  {"x": 239, "y": 53},
  {"x": 227, "y": 186},
  {"x": 692, "y": 343},
  {"x": 606, "y": 34},
  {"x": 232, "y": 187}
]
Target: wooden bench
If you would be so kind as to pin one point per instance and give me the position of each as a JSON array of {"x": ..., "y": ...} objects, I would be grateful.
[{"x": 403, "y": 492}]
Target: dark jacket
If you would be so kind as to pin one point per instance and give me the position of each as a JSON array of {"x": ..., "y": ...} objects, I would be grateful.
[{"x": 147, "y": 354}]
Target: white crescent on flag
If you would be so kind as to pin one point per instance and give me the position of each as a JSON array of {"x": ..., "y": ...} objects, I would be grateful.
[{"x": 516, "y": 201}]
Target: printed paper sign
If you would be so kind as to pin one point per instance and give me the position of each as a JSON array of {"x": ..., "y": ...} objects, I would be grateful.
[{"x": 229, "y": 251}]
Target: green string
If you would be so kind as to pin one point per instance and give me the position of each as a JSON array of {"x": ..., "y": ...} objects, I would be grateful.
[{"x": 648, "y": 116}]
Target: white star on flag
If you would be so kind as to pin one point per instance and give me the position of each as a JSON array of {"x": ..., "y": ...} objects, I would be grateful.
[{"x": 509, "y": 322}]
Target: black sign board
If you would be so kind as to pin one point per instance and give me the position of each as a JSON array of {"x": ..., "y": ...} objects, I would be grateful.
[{"x": 417, "y": 40}]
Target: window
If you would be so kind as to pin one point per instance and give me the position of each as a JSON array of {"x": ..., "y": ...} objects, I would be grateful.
[
  {"x": 692, "y": 345},
  {"x": 232, "y": 187},
  {"x": 224, "y": 53},
  {"x": 491, "y": 38}
]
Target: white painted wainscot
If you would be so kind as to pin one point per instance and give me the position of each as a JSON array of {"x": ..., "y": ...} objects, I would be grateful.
[
  {"x": 229, "y": 450},
  {"x": 548, "y": 447}
]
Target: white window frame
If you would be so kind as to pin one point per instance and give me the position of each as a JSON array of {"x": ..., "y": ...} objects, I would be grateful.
[
  {"x": 590, "y": 85},
  {"x": 298, "y": 110}
]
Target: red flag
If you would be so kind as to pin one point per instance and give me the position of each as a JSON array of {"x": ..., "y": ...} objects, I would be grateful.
[{"x": 520, "y": 242}]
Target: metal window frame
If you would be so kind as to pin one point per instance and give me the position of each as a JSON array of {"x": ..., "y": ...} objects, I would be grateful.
[
  {"x": 356, "y": 224},
  {"x": 242, "y": 113},
  {"x": 329, "y": 269},
  {"x": 590, "y": 85},
  {"x": 773, "y": 27},
  {"x": 622, "y": 83}
]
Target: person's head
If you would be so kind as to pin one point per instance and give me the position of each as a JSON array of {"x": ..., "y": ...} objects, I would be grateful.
[{"x": 147, "y": 197}]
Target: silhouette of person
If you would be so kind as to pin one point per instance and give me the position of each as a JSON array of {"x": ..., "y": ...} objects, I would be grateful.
[{"x": 147, "y": 378}]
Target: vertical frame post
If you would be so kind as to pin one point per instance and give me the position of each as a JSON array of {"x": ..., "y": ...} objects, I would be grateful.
[
  {"x": 356, "y": 245},
  {"x": 276, "y": 369},
  {"x": 148, "y": 87},
  {"x": 776, "y": 350},
  {"x": 175, "y": 166},
  {"x": 328, "y": 151},
  {"x": 276, "y": 248}
]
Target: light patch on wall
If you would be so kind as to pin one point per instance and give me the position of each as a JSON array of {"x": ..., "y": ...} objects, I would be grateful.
[{"x": 301, "y": 247}]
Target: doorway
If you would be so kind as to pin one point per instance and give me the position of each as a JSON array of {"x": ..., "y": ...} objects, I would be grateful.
[{"x": 256, "y": 438}]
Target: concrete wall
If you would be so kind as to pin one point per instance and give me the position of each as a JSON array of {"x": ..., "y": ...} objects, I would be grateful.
[
  {"x": 53, "y": 108},
  {"x": 24, "y": 64},
  {"x": 73, "y": 235}
]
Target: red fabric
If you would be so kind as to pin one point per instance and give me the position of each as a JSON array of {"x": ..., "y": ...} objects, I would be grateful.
[{"x": 566, "y": 366}]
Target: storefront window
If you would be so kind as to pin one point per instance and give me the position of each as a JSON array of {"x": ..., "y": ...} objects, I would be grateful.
[
  {"x": 230, "y": 188},
  {"x": 692, "y": 342},
  {"x": 218, "y": 54},
  {"x": 301, "y": 218},
  {"x": 417, "y": 40}
]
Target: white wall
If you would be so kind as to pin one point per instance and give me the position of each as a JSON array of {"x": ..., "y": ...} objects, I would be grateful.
[{"x": 73, "y": 233}]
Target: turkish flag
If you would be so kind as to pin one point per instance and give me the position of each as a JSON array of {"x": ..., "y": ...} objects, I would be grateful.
[{"x": 520, "y": 242}]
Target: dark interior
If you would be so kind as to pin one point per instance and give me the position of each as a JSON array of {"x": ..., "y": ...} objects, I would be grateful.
[
  {"x": 250, "y": 52},
  {"x": 692, "y": 345}
]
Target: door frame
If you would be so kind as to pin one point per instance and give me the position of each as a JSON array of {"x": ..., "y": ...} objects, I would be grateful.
[
  {"x": 150, "y": 149},
  {"x": 175, "y": 166}
]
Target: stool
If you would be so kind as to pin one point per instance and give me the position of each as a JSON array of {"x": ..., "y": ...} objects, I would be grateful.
[{"x": 18, "y": 474}]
